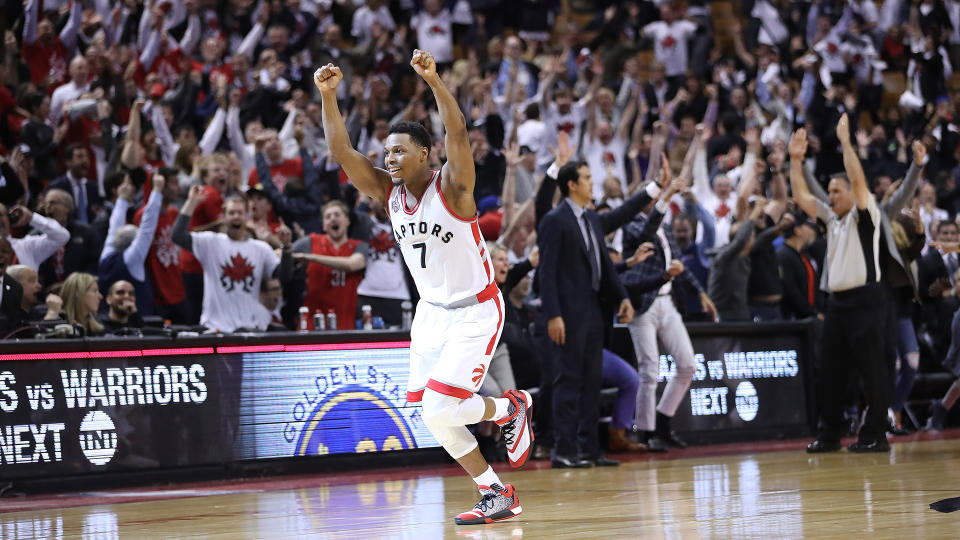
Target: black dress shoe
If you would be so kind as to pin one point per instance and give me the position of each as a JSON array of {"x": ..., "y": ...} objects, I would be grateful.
[
  {"x": 603, "y": 461},
  {"x": 820, "y": 446},
  {"x": 657, "y": 444},
  {"x": 560, "y": 462},
  {"x": 671, "y": 438},
  {"x": 862, "y": 447}
]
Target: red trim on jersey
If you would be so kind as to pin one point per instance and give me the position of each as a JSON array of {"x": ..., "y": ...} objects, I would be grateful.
[
  {"x": 489, "y": 292},
  {"x": 450, "y": 210},
  {"x": 390, "y": 201},
  {"x": 403, "y": 198},
  {"x": 414, "y": 397},
  {"x": 475, "y": 229},
  {"x": 447, "y": 390},
  {"x": 493, "y": 339}
]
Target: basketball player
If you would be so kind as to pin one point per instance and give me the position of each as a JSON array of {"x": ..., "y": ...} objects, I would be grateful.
[{"x": 460, "y": 315}]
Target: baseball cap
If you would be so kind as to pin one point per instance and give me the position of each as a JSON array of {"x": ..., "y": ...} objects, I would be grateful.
[
  {"x": 488, "y": 203},
  {"x": 256, "y": 190}
]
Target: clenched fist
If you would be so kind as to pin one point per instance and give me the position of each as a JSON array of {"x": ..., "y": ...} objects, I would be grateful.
[
  {"x": 327, "y": 77},
  {"x": 423, "y": 63}
]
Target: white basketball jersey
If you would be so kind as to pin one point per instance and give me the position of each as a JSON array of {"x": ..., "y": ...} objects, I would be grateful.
[{"x": 445, "y": 254}]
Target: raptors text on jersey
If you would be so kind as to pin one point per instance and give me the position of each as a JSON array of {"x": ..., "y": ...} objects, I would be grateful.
[{"x": 445, "y": 253}]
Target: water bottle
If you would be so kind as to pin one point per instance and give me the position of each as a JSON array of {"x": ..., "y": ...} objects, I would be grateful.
[
  {"x": 407, "y": 317},
  {"x": 319, "y": 321},
  {"x": 367, "y": 317},
  {"x": 304, "y": 314},
  {"x": 332, "y": 319}
]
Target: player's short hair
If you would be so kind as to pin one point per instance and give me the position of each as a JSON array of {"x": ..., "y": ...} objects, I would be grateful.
[
  {"x": 569, "y": 173},
  {"x": 416, "y": 131}
]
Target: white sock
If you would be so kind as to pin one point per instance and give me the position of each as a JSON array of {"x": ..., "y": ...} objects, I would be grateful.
[
  {"x": 501, "y": 410},
  {"x": 488, "y": 478}
]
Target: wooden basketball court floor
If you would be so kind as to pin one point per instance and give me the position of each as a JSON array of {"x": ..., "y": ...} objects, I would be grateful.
[{"x": 762, "y": 490}]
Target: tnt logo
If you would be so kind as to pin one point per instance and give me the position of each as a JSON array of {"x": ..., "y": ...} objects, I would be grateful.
[
  {"x": 98, "y": 437},
  {"x": 748, "y": 404}
]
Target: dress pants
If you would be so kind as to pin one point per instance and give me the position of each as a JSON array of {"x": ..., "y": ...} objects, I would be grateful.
[
  {"x": 661, "y": 320},
  {"x": 577, "y": 376},
  {"x": 854, "y": 348}
]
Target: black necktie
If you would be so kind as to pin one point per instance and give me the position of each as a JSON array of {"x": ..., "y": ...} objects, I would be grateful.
[{"x": 591, "y": 253}]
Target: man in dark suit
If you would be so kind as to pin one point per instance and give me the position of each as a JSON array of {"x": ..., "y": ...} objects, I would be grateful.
[
  {"x": 11, "y": 315},
  {"x": 82, "y": 251},
  {"x": 575, "y": 277},
  {"x": 937, "y": 286},
  {"x": 658, "y": 90},
  {"x": 86, "y": 194}
]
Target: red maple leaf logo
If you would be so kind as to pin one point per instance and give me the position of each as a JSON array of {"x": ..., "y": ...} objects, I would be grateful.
[
  {"x": 238, "y": 271},
  {"x": 668, "y": 42},
  {"x": 857, "y": 58},
  {"x": 566, "y": 127},
  {"x": 608, "y": 157},
  {"x": 478, "y": 374},
  {"x": 382, "y": 242},
  {"x": 832, "y": 48},
  {"x": 723, "y": 210}
]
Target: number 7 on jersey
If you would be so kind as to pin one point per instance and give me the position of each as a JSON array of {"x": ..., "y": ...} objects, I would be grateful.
[{"x": 422, "y": 246}]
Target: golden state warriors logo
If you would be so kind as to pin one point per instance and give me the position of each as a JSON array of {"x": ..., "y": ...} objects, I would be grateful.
[{"x": 354, "y": 418}]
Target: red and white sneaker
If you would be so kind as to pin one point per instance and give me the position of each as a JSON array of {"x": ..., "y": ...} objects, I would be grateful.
[
  {"x": 497, "y": 504},
  {"x": 517, "y": 428}
]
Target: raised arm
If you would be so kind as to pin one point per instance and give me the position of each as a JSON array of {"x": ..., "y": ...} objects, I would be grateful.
[
  {"x": 30, "y": 22},
  {"x": 136, "y": 254},
  {"x": 909, "y": 186},
  {"x": 851, "y": 162},
  {"x": 509, "y": 195},
  {"x": 131, "y": 156},
  {"x": 815, "y": 188},
  {"x": 798, "y": 149},
  {"x": 370, "y": 180},
  {"x": 68, "y": 36},
  {"x": 458, "y": 174}
]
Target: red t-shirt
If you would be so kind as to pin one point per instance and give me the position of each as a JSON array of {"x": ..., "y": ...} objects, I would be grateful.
[
  {"x": 332, "y": 289},
  {"x": 167, "y": 68},
  {"x": 46, "y": 60},
  {"x": 209, "y": 210},
  {"x": 163, "y": 261},
  {"x": 288, "y": 168}
]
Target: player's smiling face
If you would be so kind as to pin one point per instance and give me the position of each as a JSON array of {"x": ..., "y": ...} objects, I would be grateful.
[{"x": 403, "y": 158}]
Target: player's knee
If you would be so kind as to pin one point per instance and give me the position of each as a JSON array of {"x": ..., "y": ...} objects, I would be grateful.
[{"x": 439, "y": 409}]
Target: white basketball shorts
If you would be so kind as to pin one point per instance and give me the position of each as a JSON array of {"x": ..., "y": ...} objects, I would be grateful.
[{"x": 450, "y": 349}]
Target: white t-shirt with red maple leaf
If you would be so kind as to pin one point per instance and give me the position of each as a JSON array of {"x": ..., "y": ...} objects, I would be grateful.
[
  {"x": 670, "y": 44},
  {"x": 232, "y": 274}
]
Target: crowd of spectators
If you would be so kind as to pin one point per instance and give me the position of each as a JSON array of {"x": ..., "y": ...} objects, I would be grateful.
[{"x": 164, "y": 161}]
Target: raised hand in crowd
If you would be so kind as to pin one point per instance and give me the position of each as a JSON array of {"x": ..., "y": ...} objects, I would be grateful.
[{"x": 644, "y": 251}]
